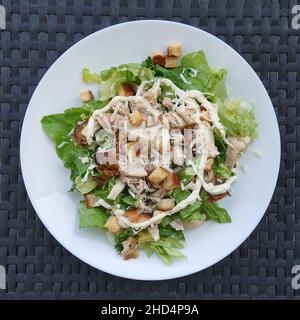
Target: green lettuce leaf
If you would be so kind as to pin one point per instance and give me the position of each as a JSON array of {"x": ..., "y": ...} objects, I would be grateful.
[
  {"x": 219, "y": 167},
  {"x": 169, "y": 232},
  {"x": 222, "y": 171},
  {"x": 121, "y": 236},
  {"x": 186, "y": 174},
  {"x": 166, "y": 247},
  {"x": 124, "y": 200},
  {"x": 194, "y": 73},
  {"x": 192, "y": 212},
  {"x": 88, "y": 218},
  {"x": 90, "y": 77},
  {"x": 111, "y": 79},
  {"x": 58, "y": 127},
  {"x": 214, "y": 211},
  {"x": 238, "y": 119},
  {"x": 85, "y": 187}
]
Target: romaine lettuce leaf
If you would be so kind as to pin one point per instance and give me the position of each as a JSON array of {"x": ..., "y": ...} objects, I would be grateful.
[
  {"x": 214, "y": 211},
  {"x": 110, "y": 79},
  {"x": 85, "y": 187},
  {"x": 194, "y": 73},
  {"x": 238, "y": 119},
  {"x": 59, "y": 127},
  {"x": 121, "y": 236},
  {"x": 95, "y": 217},
  {"x": 166, "y": 247}
]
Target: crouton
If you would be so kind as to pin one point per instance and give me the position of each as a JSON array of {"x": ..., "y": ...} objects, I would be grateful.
[
  {"x": 158, "y": 58},
  {"x": 166, "y": 204},
  {"x": 136, "y": 118},
  {"x": 158, "y": 175},
  {"x": 86, "y": 95},
  {"x": 209, "y": 163},
  {"x": 132, "y": 215},
  {"x": 89, "y": 200},
  {"x": 112, "y": 224},
  {"x": 129, "y": 249},
  {"x": 144, "y": 217},
  {"x": 170, "y": 62},
  {"x": 125, "y": 90},
  {"x": 174, "y": 49},
  {"x": 78, "y": 136},
  {"x": 171, "y": 182}
]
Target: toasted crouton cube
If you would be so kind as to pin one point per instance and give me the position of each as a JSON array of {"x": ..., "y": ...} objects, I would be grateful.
[
  {"x": 144, "y": 217},
  {"x": 136, "y": 118},
  {"x": 171, "y": 182},
  {"x": 78, "y": 135},
  {"x": 175, "y": 50},
  {"x": 86, "y": 95},
  {"x": 132, "y": 215},
  {"x": 89, "y": 200},
  {"x": 166, "y": 204},
  {"x": 158, "y": 58},
  {"x": 129, "y": 249},
  {"x": 171, "y": 62},
  {"x": 158, "y": 175},
  {"x": 125, "y": 90},
  {"x": 112, "y": 224}
]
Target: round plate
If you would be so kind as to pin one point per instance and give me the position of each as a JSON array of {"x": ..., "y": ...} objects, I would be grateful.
[{"x": 47, "y": 181}]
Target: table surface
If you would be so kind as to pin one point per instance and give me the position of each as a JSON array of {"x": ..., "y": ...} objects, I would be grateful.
[{"x": 37, "y": 33}]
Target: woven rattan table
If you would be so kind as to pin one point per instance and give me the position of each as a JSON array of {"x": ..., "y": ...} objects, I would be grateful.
[{"x": 37, "y": 33}]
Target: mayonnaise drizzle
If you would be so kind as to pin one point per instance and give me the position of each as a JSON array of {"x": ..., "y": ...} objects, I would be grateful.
[{"x": 186, "y": 99}]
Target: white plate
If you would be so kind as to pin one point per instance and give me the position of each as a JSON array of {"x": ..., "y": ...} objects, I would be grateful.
[{"x": 47, "y": 181}]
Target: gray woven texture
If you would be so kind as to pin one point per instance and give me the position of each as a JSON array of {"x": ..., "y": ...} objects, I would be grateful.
[{"x": 37, "y": 33}]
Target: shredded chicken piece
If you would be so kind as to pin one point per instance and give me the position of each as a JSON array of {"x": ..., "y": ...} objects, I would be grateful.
[
  {"x": 233, "y": 152},
  {"x": 152, "y": 185},
  {"x": 116, "y": 190},
  {"x": 154, "y": 231},
  {"x": 129, "y": 249}
]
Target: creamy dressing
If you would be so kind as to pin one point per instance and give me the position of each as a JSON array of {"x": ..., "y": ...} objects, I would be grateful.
[{"x": 186, "y": 101}]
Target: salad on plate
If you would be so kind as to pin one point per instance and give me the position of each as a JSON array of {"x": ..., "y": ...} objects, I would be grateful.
[{"x": 156, "y": 152}]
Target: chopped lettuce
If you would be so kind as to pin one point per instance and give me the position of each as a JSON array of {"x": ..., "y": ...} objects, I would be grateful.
[
  {"x": 90, "y": 77},
  {"x": 180, "y": 195},
  {"x": 121, "y": 236},
  {"x": 186, "y": 174},
  {"x": 166, "y": 247},
  {"x": 238, "y": 119},
  {"x": 111, "y": 79},
  {"x": 219, "y": 167},
  {"x": 124, "y": 200},
  {"x": 190, "y": 213},
  {"x": 85, "y": 186},
  {"x": 194, "y": 73},
  {"x": 214, "y": 211},
  {"x": 59, "y": 128},
  {"x": 169, "y": 232},
  {"x": 95, "y": 217}
]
